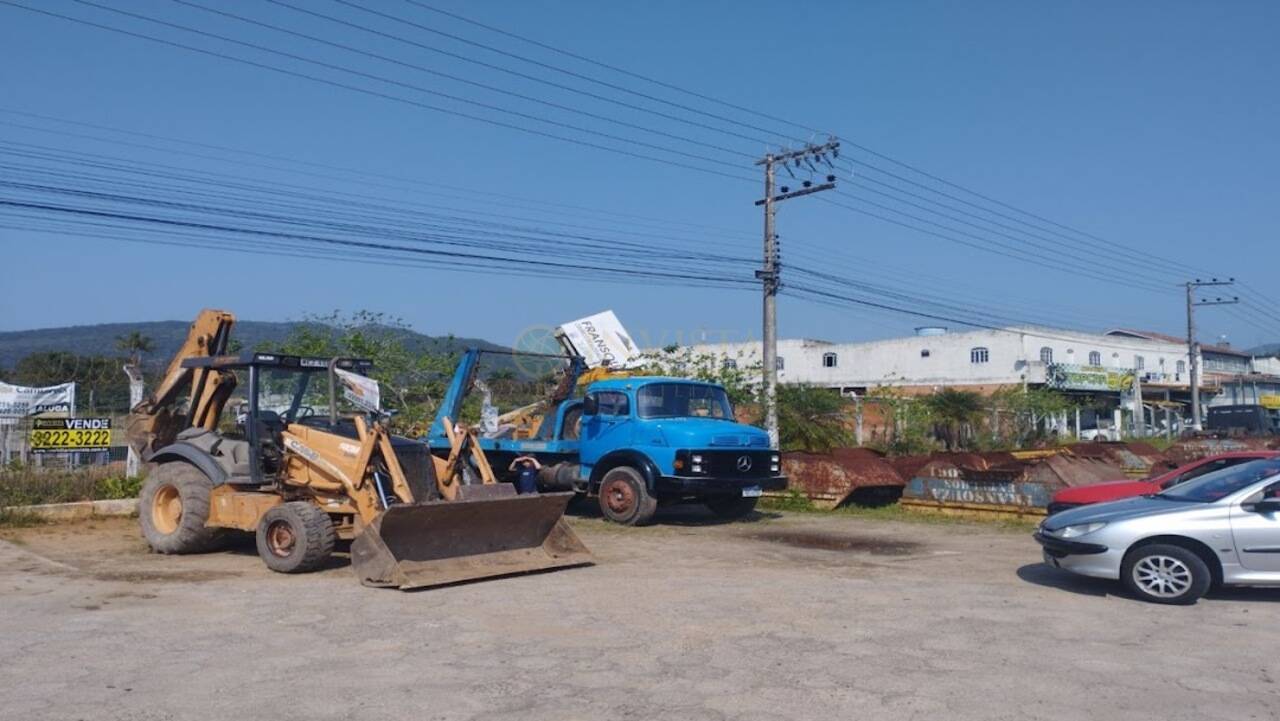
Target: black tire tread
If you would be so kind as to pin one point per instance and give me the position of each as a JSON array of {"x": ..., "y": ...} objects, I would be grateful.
[
  {"x": 315, "y": 532},
  {"x": 646, "y": 505},
  {"x": 1202, "y": 576},
  {"x": 194, "y": 488}
]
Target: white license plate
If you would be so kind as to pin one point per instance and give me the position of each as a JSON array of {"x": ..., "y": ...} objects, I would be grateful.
[{"x": 752, "y": 492}]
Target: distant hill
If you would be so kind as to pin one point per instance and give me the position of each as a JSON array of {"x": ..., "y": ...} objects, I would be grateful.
[
  {"x": 1268, "y": 349},
  {"x": 168, "y": 336}
]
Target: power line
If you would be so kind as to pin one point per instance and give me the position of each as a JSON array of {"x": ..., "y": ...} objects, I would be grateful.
[
  {"x": 402, "y": 181},
  {"x": 614, "y": 68},
  {"x": 399, "y": 83},
  {"x": 367, "y": 91},
  {"x": 571, "y": 73},
  {"x": 1107, "y": 245},
  {"x": 456, "y": 78}
]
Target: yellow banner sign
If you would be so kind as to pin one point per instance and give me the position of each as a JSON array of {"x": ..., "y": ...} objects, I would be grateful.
[{"x": 60, "y": 435}]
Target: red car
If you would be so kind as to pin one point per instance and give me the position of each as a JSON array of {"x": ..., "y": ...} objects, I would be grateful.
[{"x": 1115, "y": 490}]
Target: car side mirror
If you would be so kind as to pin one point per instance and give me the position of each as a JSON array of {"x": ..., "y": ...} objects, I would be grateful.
[
  {"x": 1266, "y": 505},
  {"x": 590, "y": 406}
]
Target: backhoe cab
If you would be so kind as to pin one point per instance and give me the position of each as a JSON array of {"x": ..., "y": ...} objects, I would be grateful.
[{"x": 305, "y": 460}]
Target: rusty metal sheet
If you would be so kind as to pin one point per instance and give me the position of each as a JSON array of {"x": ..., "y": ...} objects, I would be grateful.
[
  {"x": 829, "y": 479},
  {"x": 960, "y": 492},
  {"x": 1003, "y": 482},
  {"x": 1133, "y": 464},
  {"x": 1193, "y": 448}
]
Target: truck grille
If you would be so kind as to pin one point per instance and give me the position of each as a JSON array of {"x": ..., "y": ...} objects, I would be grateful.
[{"x": 725, "y": 463}]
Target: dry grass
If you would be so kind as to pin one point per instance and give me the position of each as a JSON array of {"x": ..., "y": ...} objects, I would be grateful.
[{"x": 27, "y": 485}]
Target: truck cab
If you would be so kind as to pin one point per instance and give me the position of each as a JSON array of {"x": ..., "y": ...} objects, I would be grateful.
[{"x": 646, "y": 440}]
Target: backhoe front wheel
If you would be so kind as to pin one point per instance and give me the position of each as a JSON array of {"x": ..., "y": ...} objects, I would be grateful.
[
  {"x": 173, "y": 508},
  {"x": 624, "y": 497},
  {"x": 295, "y": 537}
]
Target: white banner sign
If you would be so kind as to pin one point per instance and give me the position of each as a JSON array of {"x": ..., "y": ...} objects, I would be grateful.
[
  {"x": 601, "y": 340},
  {"x": 360, "y": 390},
  {"x": 21, "y": 401}
]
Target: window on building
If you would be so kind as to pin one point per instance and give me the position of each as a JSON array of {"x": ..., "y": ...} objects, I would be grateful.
[
  {"x": 979, "y": 355},
  {"x": 778, "y": 364},
  {"x": 729, "y": 364},
  {"x": 1046, "y": 355},
  {"x": 1139, "y": 362},
  {"x": 924, "y": 353},
  {"x": 1095, "y": 358},
  {"x": 829, "y": 360},
  {"x": 1181, "y": 367}
]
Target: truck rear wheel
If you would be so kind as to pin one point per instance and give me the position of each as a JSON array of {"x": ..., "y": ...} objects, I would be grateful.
[
  {"x": 732, "y": 507},
  {"x": 624, "y": 497},
  {"x": 295, "y": 537},
  {"x": 173, "y": 508}
]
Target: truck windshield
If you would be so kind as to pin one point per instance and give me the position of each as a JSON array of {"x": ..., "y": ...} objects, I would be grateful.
[
  {"x": 683, "y": 400},
  {"x": 1218, "y": 485}
]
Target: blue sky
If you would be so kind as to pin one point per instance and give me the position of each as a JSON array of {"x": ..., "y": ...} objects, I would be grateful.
[{"x": 1151, "y": 125}]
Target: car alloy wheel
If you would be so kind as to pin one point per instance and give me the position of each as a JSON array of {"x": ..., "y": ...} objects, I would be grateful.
[{"x": 1162, "y": 576}]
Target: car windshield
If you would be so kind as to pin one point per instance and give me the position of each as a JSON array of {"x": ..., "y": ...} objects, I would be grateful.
[
  {"x": 1220, "y": 484},
  {"x": 684, "y": 400}
]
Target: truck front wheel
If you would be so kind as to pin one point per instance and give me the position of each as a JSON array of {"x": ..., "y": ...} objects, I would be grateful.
[
  {"x": 625, "y": 499},
  {"x": 733, "y": 507}
]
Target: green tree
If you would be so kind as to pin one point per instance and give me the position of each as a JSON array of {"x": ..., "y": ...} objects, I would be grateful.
[
  {"x": 136, "y": 345},
  {"x": 908, "y": 420},
  {"x": 954, "y": 413},
  {"x": 739, "y": 376},
  {"x": 412, "y": 379},
  {"x": 1028, "y": 408},
  {"x": 812, "y": 419},
  {"x": 101, "y": 385}
]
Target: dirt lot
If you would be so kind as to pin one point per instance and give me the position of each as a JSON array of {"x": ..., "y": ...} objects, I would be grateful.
[{"x": 787, "y": 617}]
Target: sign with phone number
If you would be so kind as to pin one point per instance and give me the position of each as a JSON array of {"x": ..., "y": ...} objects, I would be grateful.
[{"x": 61, "y": 435}]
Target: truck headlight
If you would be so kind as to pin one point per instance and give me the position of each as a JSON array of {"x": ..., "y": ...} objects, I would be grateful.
[
  {"x": 1078, "y": 530},
  {"x": 696, "y": 468},
  {"x": 696, "y": 458}
]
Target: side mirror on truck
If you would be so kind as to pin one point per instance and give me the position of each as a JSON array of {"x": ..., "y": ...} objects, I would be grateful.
[{"x": 590, "y": 406}]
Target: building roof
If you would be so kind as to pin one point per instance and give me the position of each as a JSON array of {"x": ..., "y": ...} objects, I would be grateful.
[{"x": 1152, "y": 335}]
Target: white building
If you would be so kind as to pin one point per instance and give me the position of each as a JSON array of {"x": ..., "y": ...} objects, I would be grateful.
[
  {"x": 1101, "y": 368},
  {"x": 985, "y": 358}
]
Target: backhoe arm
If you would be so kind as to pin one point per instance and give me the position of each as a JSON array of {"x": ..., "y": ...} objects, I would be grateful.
[{"x": 157, "y": 420}]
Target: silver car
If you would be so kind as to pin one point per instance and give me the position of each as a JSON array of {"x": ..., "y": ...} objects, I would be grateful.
[{"x": 1223, "y": 527}]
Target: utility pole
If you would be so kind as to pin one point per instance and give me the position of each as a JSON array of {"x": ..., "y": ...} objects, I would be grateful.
[
  {"x": 1193, "y": 346},
  {"x": 770, "y": 276}
]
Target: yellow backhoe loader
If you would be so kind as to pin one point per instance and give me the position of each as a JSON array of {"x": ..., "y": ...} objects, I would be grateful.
[{"x": 303, "y": 459}]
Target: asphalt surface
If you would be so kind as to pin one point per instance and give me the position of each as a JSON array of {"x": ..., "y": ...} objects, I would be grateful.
[{"x": 787, "y": 617}]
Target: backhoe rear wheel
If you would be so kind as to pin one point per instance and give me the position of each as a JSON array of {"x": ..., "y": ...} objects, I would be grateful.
[
  {"x": 173, "y": 508},
  {"x": 295, "y": 537}
]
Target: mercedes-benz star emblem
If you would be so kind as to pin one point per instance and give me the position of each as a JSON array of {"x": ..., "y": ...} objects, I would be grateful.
[{"x": 744, "y": 463}]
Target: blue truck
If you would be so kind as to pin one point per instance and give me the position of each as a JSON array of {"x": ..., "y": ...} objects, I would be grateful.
[{"x": 633, "y": 442}]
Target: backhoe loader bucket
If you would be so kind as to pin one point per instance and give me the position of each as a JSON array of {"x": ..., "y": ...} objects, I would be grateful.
[{"x": 488, "y": 532}]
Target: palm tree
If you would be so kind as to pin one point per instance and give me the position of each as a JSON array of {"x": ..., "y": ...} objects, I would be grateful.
[
  {"x": 812, "y": 419},
  {"x": 954, "y": 411},
  {"x": 135, "y": 344}
]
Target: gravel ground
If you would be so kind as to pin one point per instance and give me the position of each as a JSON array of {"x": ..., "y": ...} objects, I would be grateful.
[{"x": 803, "y": 616}]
